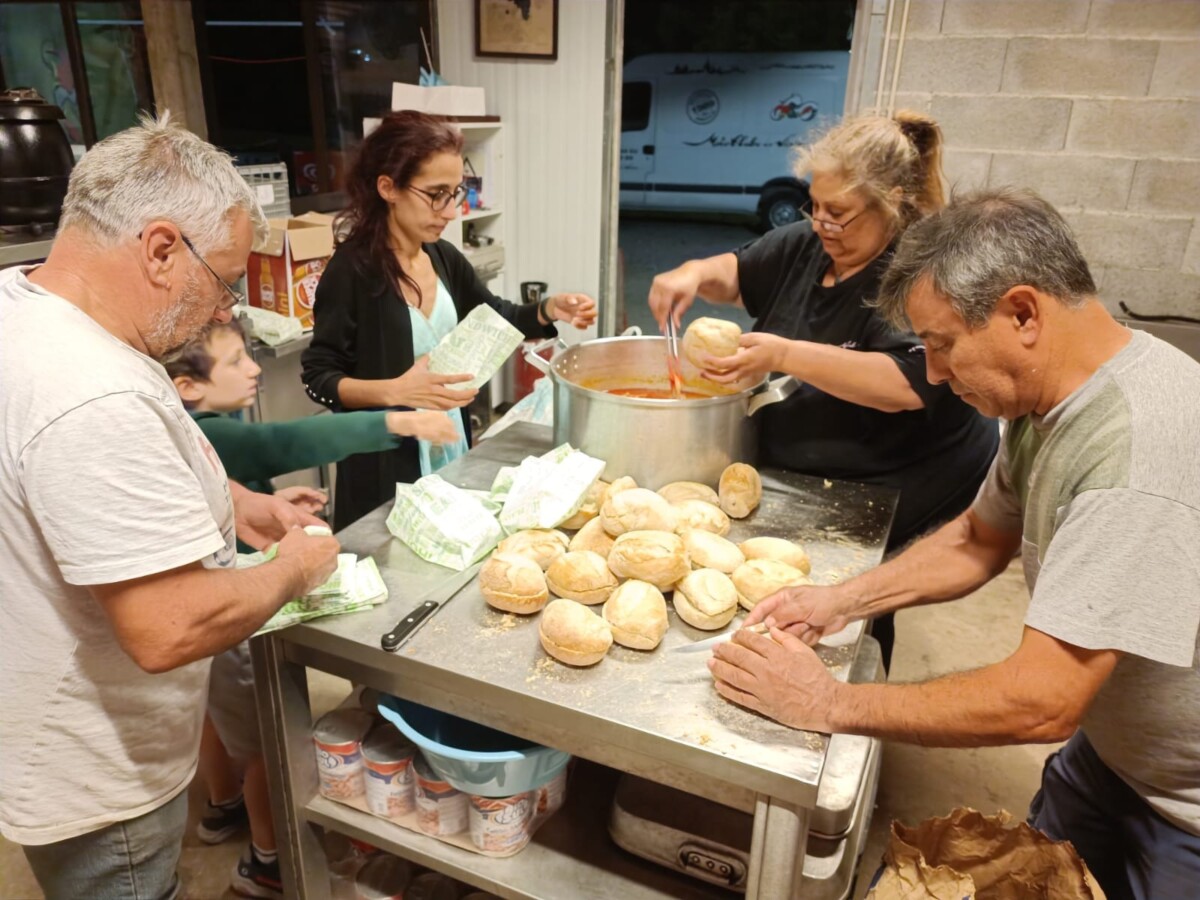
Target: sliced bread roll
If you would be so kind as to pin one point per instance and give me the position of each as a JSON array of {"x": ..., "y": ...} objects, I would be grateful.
[
  {"x": 706, "y": 599},
  {"x": 589, "y": 509},
  {"x": 757, "y": 579},
  {"x": 513, "y": 583},
  {"x": 541, "y": 545},
  {"x": 702, "y": 515},
  {"x": 572, "y": 633},
  {"x": 779, "y": 549},
  {"x": 740, "y": 490},
  {"x": 592, "y": 536},
  {"x": 624, "y": 483},
  {"x": 688, "y": 490},
  {"x": 581, "y": 575},
  {"x": 711, "y": 551},
  {"x": 637, "y": 509},
  {"x": 653, "y": 556},
  {"x": 637, "y": 614}
]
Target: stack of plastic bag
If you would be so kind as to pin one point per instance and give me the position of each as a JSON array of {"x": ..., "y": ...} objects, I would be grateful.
[
  {"x": 355, "y": 584},
  {"x": 456, "y": 528}
]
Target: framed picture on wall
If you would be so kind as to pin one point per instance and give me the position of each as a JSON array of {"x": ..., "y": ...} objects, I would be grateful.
[{"x": 517, "y": 28}]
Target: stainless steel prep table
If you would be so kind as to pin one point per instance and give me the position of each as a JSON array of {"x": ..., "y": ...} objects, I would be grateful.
[{"x": 651, "y": 714}]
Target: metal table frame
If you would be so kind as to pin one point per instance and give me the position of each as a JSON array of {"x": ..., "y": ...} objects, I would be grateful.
[{"x": 564, "y": 860}]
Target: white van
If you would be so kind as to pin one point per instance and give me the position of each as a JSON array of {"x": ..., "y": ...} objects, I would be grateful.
[{"x": 715, "y": 132}]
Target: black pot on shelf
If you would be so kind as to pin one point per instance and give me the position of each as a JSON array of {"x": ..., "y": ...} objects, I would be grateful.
[{"x": 35, "y": 161}]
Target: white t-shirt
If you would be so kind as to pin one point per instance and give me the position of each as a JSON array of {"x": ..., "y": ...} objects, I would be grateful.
[{"x": 103, "y": 478}]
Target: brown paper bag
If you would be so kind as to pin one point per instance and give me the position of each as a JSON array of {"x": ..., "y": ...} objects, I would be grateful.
[{"x": 969, "y": 856}]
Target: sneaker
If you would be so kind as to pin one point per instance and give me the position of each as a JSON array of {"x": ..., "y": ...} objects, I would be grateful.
[
  {"x": 220, "y": 823},
  {"x": 254, "y": 878}
]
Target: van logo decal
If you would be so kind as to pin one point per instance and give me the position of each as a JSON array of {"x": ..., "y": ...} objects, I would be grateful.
[
  {"x": 794, "y": 108},
  {"x": 702, "y": 106}
]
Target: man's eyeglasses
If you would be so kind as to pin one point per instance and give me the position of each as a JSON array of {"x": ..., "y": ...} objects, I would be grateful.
[
  {"x": 442, "y": 198},
  {"x": 237, "y": 296},
  {"x": 831, "y": 227}
]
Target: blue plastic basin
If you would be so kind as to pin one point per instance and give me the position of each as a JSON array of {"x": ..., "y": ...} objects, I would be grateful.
[{"x": 471, "y": 757}]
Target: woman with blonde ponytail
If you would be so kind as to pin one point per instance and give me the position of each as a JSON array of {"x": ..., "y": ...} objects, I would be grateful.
[{"x": 865, "y": 411}]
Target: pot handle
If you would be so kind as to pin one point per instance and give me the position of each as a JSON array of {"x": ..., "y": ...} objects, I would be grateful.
[
  {"x": 779, "y": 389},
  {"x": 533, "y": 353},
  {"x": 632, "y": 331}
]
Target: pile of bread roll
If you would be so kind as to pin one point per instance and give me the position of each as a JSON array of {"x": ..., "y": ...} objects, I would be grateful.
[{"x": 630, "y": 548}]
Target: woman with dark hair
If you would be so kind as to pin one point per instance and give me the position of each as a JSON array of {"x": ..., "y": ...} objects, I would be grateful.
[{"x": 392, "y": 290}]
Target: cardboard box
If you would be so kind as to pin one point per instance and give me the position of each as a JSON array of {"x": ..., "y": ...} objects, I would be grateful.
[
  {"x": 283, "y": 271},
  {"x": 441, "y": 100}
]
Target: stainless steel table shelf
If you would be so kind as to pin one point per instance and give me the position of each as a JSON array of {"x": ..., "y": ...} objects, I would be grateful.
[{"x": 654, "y": 715}]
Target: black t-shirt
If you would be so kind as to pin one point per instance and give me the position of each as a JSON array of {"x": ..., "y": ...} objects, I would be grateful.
[{"x": 936, "y": 456}]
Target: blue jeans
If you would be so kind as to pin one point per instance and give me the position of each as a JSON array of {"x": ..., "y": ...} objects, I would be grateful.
[
  {"x": 132, "y": 860},
  {"x": 1134, "y": 852}
]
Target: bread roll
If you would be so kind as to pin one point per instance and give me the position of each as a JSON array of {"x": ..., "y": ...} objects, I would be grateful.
[
  {"x": 581, "y": 575},
  {"x": 637, "y": 509},
  {"x": 541, "y": 545},
  {"x": 589, "y": 509},
  {"x": 757, "y": 579},
  {"x": 513, "y": 583},
  {"x": 572, "y": 633},
  {"x": 653, "y": 556},
  {"x": 624, "y": 483},
  {"x": 677, "y": 491},
  {"x": 710, "y": 337},
  {"x": 711, "y": 551},
  {"x": 779, "y": 549},
  {"x": 637, "y": 614},
  {"x": 740, "y": 490},
  {"x": 706, "y": 599},
  {"x": 698, "y": 514},
  {"x": 592, "y": 536}
]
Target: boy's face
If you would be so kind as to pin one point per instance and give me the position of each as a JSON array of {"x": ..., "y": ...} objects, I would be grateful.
[{"x": 233, "y": 382}]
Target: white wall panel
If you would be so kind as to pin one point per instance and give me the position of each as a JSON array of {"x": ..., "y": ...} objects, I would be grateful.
[{"x": 553, "y": 114}]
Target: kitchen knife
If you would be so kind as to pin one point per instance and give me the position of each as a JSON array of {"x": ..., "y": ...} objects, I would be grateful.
[
  {"x": 711, "y": 642},
  {"x": 408, "y": 626}
]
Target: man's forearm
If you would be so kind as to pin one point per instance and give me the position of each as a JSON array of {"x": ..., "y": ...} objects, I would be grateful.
[
  {"x": 971, "y": 709},
  {"x": 169, "y": 620},
  {"x": 1038, "y": 694},
  {"x": 953, "y": 561}
]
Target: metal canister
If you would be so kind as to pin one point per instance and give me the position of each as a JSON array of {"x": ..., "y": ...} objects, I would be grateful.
[
  {"x": 387, "y": 770},
  {"x": 337, "y": 739},
  {"x": 441, "y": 809}
]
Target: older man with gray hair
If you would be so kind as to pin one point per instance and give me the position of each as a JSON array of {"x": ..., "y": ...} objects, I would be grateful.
[
  {"x": 116, "y": 520},
  {"x": 1097, "y": 485}
]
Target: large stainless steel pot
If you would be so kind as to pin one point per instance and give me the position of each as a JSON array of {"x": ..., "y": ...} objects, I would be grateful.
[{"x": 654, "y": 441}]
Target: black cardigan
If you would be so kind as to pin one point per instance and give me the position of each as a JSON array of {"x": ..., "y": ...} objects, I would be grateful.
[{"x": 361, "y": 329}]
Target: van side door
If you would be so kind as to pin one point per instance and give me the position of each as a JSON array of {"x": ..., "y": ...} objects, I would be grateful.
[{"x": 637, "y": 142}]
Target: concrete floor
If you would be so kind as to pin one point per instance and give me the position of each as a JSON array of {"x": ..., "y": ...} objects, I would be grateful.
[{"x": 916, "y": 782}]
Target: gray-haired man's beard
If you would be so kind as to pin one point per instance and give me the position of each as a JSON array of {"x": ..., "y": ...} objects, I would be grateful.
[{"x": 164, "y": 337}]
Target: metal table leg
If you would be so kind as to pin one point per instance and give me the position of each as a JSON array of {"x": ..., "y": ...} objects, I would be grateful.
[
  {"x": 777, "y": 850},
  {"x": 285, "y": 719}
]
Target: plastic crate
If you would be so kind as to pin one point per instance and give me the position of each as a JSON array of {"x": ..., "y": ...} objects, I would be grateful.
[{"x": 270, "y": 183}]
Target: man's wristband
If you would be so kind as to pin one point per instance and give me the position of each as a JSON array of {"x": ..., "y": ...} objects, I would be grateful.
[{"x": 544, "y": 310}]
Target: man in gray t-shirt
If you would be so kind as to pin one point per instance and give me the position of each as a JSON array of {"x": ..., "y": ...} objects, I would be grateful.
[{"x": 1096, "y": 484}]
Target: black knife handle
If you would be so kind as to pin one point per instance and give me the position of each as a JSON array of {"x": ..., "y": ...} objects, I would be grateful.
[{"x": 407, "y": 626}]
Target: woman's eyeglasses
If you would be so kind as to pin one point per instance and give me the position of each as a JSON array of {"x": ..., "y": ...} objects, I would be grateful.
[
  {"x": 831, "y": 227},
  {"x": 237, "y": 296},
  {"x": 442, "y": 198}
]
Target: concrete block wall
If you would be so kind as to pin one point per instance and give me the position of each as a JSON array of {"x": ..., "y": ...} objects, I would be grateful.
[{"x": 1095, "y": 104}]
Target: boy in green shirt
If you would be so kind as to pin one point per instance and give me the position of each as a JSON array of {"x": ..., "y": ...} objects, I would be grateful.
[{"x": 216, "y": 376}]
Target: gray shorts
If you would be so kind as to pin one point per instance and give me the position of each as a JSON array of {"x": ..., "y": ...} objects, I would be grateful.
[{"x": 231, "y": 702}]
